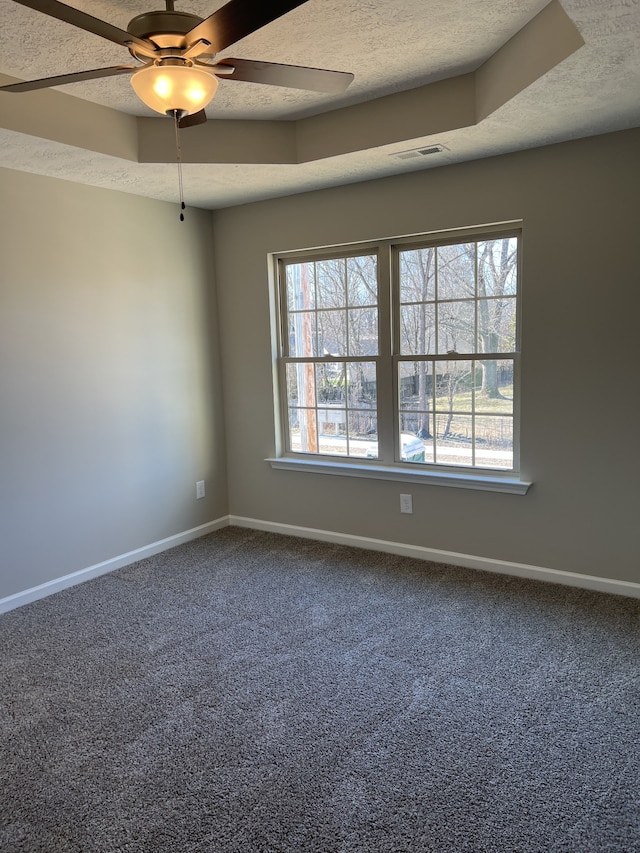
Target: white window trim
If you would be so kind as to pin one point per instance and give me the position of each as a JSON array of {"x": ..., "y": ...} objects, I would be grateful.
[{"x": 491, "y": 480}]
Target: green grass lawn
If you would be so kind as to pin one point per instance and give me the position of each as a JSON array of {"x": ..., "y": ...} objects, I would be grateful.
[{"x": 463, "y": 403}]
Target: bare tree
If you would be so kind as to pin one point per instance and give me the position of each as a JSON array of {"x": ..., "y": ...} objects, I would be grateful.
[
  {"x": 497, "y": 261},
  {"x": 454, "y": 377}
]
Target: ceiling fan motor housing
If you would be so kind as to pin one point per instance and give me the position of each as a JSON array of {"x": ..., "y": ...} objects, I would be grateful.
[{"x": 166, "y": 29}]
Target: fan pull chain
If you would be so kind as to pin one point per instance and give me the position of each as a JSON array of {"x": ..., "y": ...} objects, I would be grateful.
[{"x": 176, "y": 116}]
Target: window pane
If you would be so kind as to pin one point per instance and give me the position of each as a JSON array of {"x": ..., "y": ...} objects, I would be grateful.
[
  {"x": 294, "y": 428},
  {"x": 456, "y": 271},
  {"x": 362, "y": 280},
  {"x": 332, "y": 422},
  {"x": 344, "y": 422},
  {"x": 408, "y": 384},
  {"x": 497, "y": 325},
  {"x": 416, "y": 425},
  {"x": 330, "y": 383},
  {"x": 429, "y": 450},
  {"x": 498, "y": 267},
  {"x": 332, "y": 333},
  {"x": 331, "y": 283},
  {"x": 411, "y": 448},
  {"x": 363, "y": 331},
  {"x": 417, "y": 329},
  {"x": 494, "y": 442},
  {"x": 332, "y": 431},
  {"x": 456, "y": 327},
  {"x": 454, "y": 445},
  {"x": 363, "y": 432},
  {"x": 362, "y": 385},
  {"x": 415, "y": 384},
  {"x": 300, "y": 286},
  {"x": 302, "y": 334},
  {"x": 300, "y": 384},
  {"x": 292, "y": 385},
  {"x": 417, "y": 275},
  {"x": 303, "y": 434},
  {"x": 494, "y": 386},
  {"x": 454, "y": 386}
]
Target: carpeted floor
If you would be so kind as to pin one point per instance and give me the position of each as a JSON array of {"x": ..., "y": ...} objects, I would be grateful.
[{"x": 252, "y": 693}]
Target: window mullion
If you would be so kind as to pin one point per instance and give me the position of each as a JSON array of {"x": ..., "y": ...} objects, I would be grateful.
[
  {"x": 387, "y": 365},
  {"x": 476, "y": 349}
]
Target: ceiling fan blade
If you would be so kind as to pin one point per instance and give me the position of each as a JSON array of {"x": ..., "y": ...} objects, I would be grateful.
[
  {"x": 292, "y": 76},
  {"x": 62, "y": 12},
  {"x": 195, "y": 118},
  {"x": 46, "y": 82},
  {"x": 237, "y": 19}
]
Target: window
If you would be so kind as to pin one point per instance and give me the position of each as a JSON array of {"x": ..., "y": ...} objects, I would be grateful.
[
  {"x": 403, "y": 354},
  {"x": 331, "y": 379}
]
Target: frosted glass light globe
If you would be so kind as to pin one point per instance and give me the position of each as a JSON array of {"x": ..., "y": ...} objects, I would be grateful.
[{"x": 169, "y": 87}]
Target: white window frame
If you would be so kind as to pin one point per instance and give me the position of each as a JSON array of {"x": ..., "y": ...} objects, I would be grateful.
[{"x": 388, "y": 466}]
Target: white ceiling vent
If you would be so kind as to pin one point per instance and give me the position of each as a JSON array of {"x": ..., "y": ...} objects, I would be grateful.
[{"x": 416, "y": 153}]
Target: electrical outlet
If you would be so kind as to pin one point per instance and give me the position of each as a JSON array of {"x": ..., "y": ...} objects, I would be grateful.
[
  {"x": 200, "y": 489},
  {"x": 406, "y": 504}
]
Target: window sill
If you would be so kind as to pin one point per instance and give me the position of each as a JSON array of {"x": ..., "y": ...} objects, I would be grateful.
[{"x": 487, "y": 482}]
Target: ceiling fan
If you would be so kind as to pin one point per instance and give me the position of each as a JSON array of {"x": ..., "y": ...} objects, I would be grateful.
[{"x": 177, "y": 71}]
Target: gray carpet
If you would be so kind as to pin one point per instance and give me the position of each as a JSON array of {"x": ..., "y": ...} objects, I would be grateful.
[{"x": 252, "y": 693}]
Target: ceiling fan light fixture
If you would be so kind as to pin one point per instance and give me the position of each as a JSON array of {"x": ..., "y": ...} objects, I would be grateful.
[{"x": 174, "y": 85}]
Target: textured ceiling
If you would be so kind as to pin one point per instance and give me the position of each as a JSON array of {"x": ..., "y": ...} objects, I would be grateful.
[{"x": 390, "y": 45}]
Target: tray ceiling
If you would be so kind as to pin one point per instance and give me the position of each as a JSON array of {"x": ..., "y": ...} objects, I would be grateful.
[{"x": 452, "y": 72}]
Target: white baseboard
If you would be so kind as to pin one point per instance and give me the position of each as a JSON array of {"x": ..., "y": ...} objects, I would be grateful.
[
  {"x": 48, "y": 588},
  {"x": 520, "y": 570}
]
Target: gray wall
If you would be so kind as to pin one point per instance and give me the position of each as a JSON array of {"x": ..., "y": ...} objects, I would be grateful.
[
  {"x": 110, "y": 400},
  {"x": 110, "y": 367},
  {"x": 579, "y": 204}
]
